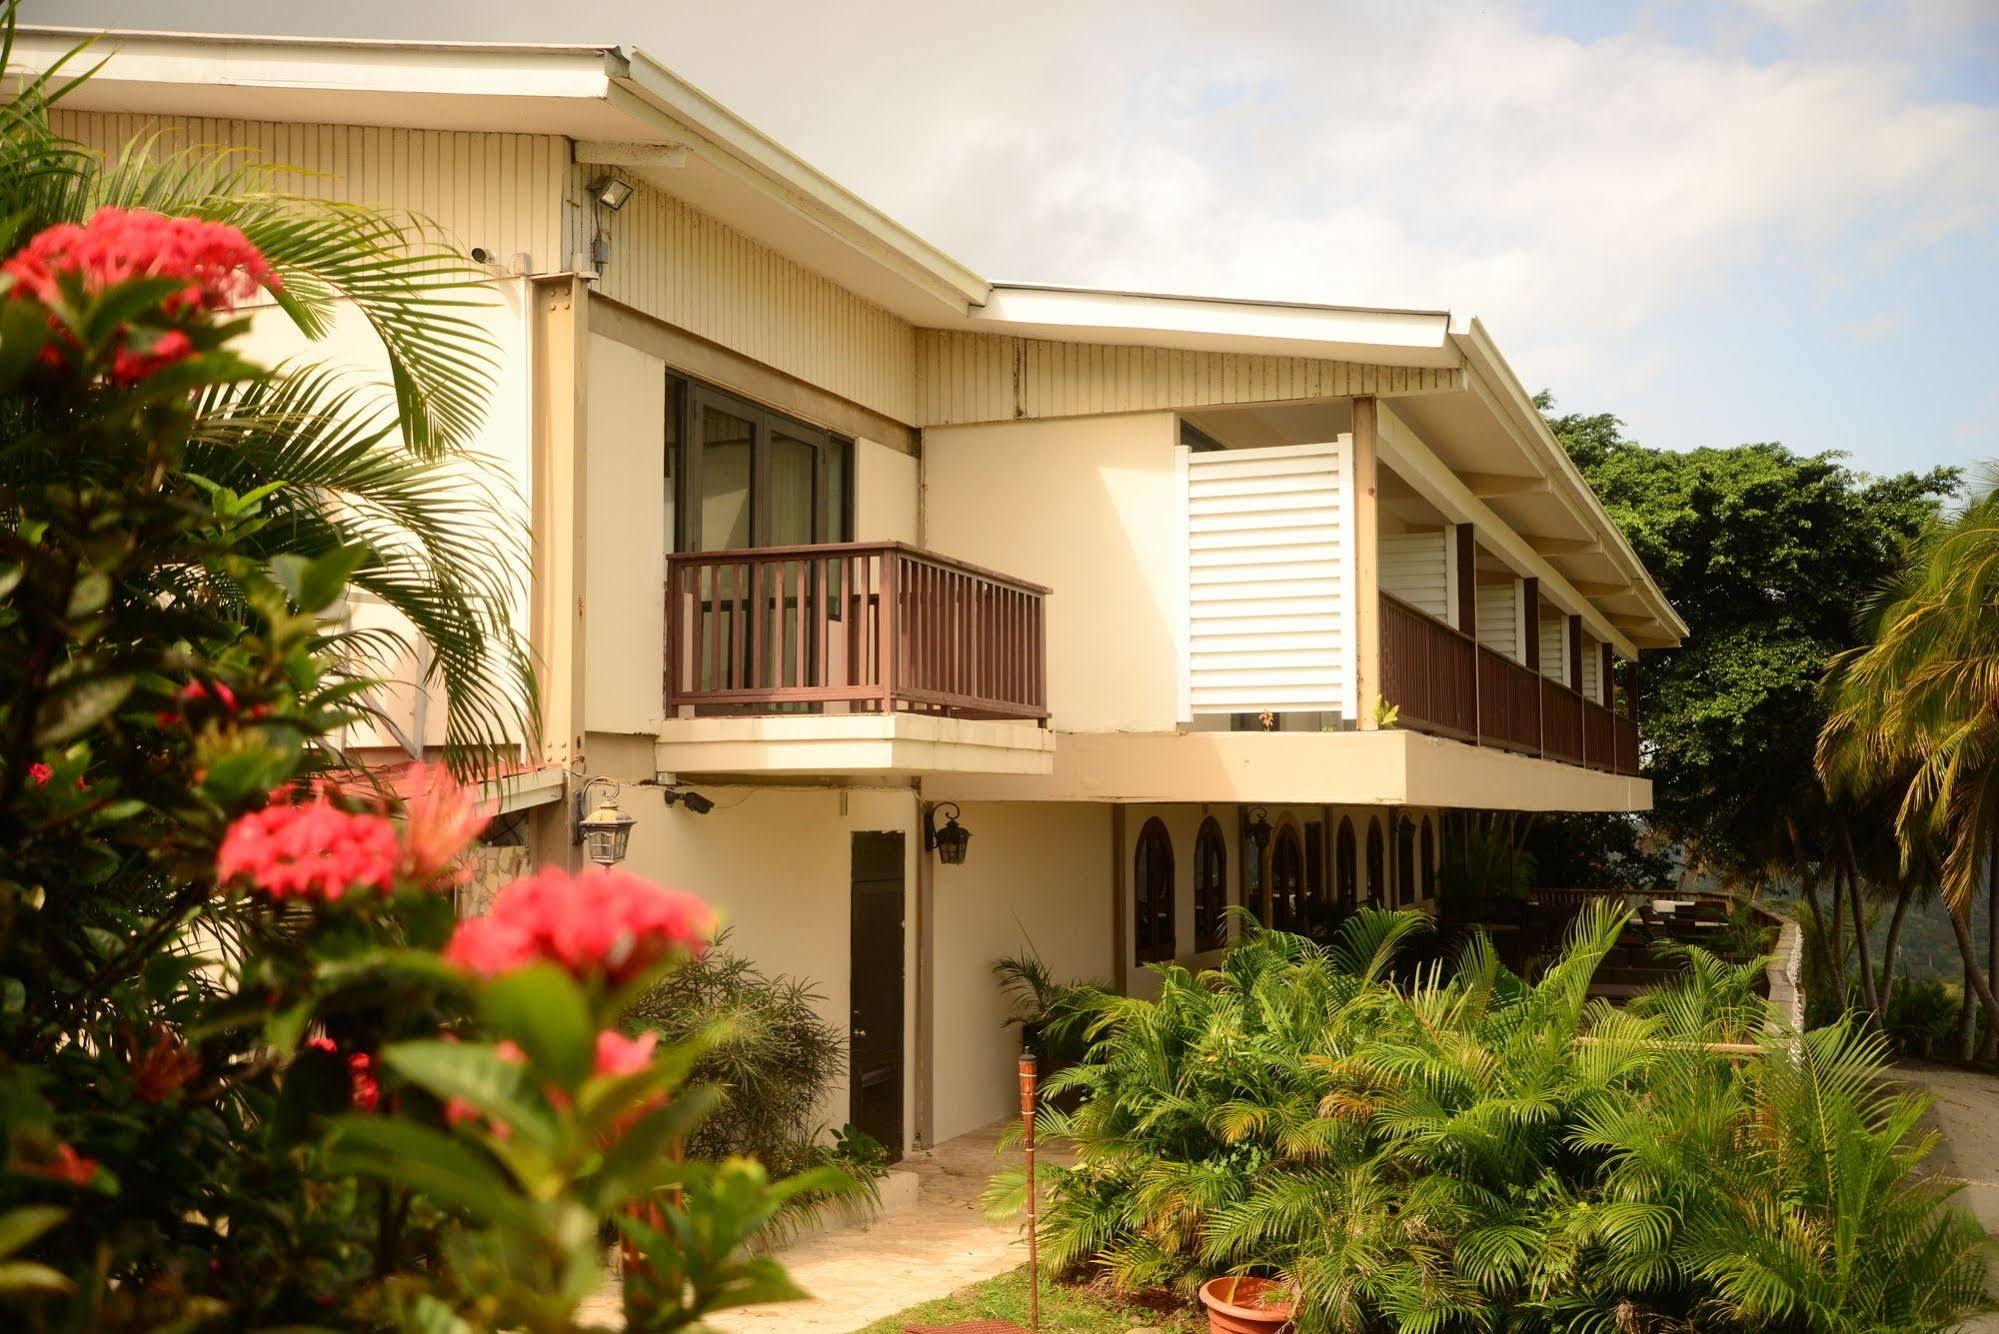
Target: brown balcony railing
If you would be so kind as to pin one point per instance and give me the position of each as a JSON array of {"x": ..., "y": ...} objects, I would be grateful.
[
  {"x": 1561, "y": 722},
  {"x": 1428, "y": 671},
  {"x": 1442, "y": 681},
  {"x": 1600, "y": 737},
  {"x": 851, "y": 627}
]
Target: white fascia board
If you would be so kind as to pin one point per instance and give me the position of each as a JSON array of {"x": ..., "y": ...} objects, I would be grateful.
[
  {"x": 1341, "y": 333},
  {"x": 250, "y": 71},
  {"x": 735, "y": 144},
  {"x": 1524, "y": 422}
]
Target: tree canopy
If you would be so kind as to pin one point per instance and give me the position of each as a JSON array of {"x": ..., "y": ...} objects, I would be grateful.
[{"x": 1770, "y": 556}]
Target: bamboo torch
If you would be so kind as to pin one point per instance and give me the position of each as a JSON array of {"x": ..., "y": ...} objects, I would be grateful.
[{"x": 1027, "y": 1090}]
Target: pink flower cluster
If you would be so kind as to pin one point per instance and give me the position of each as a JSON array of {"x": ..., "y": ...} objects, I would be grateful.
[
  {"x": 616, "y": 1055},
  {"x": 311, "y": 850},
  {"x": 365, "y": 1092},
  {"x": 215, "y": 261},
  {"x": 601, "y": 923}
]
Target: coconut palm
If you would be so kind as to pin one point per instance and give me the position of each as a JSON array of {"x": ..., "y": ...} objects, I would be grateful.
[
  {"x": 1916, "y": 714},
  {"x": 332, "y": 466}
]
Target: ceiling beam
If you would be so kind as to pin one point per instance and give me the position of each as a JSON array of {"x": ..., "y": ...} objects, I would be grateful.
[
  {"x": 1562, "y": 546},
  {"x": 607, "y": 154},
  {"x": 1488, "y": 485}
]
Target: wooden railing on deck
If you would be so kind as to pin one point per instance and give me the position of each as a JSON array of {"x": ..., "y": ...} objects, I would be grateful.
[
  {"x": 1561, "y": 722},
  {"x": 1429, "y": 671},
  {"x": 1599, "y": 737},
  {"x": 1509, "y": 703},
  {"x": 851, "y": 627}
]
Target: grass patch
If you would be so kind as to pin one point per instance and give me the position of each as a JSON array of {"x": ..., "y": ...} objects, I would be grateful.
[{"x": 1065, "y": 1309}]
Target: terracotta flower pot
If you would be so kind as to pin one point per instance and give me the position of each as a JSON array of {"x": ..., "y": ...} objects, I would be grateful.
[{"x": 1242, "y": 1305}]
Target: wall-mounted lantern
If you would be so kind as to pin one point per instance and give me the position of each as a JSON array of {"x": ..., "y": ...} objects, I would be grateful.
[
  {"x": 606, "y": 832},
  {"x": 949, "y": 842},
  {"x": 1259, "y": 829}
]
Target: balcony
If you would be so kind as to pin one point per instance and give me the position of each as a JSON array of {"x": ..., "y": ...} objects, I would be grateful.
[
  {"x": 1444, "y": 682},
  {"x": 853, "y": 656}
]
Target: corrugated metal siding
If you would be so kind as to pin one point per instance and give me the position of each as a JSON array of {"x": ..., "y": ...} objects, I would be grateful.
[
  {"x": 501, "y": 191},
  {"x": 1592, "y": 686},
  {"x": 1270, "y": 575},
  {"x": 1499, "y": 618},
  {"x": 1415, "y": 568},
  {"x": 1554, "y": 651},
  {"x": 677, "y": 264},
  {"x": 964, "y": 377}
]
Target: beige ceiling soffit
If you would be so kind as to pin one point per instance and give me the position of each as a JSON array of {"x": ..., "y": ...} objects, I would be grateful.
[
  {"x": 735, "y": 146},
  {"x": 606, "y": 154},
  {"x": 1490, "y": 485},
  {"x": 1562, "y": 546},
  {"x": 1590, "y": 590},
  {"x": 1404, "y": 450}
]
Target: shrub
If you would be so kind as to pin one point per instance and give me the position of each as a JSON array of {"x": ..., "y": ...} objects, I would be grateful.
[{"x": 1471, "y": 1150}]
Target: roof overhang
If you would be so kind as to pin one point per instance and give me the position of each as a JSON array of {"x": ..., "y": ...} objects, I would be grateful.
[{"x": 675, "y": 136}]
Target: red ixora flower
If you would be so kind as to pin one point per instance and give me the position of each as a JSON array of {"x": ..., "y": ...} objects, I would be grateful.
[
  {"x": 312, "y": 850},
  {"x": 600, "y": 923},
  {"x": 40, "y": 773},
  {"x": 68, "y": 1165},
  {"x": 163, "y": 1068}
]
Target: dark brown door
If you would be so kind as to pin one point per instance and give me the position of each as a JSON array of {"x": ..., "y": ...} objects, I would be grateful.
[{"x": 875, "y": 1036}]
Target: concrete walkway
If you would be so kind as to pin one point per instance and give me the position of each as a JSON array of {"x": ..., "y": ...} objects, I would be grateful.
[
  {"x": 1967, "y": 1113},
  {"x": 857, "y": 1275}
]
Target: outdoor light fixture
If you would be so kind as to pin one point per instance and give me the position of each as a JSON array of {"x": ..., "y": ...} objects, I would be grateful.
[
  {"x": 1259, "y": 828},
  {"x": 606, "y": 832},
  {"x": 611, "y": 191},
  {"x": 949, "y": 842},
  {"x": 693, "y": 801}
]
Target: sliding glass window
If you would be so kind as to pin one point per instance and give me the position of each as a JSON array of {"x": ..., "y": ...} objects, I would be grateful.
[{"x": 740, "y": 476}]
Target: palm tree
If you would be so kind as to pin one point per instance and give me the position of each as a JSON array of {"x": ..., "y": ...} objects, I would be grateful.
[
  {"x": 1916, "y": 714},
  {"x": 344, "y": 472}
]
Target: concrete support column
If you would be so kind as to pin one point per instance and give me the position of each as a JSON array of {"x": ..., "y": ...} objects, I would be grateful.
[{"x": 1367, "y": 570}]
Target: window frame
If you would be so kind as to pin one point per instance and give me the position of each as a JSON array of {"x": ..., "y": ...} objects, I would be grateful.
[
  {"x": 1151, "y": 942},
  {"x": 1211, "y": 900},
  {"x": 833, "y": 463}
]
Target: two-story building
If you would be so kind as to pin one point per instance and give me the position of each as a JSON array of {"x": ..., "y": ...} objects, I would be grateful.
[{"x": 1171, "y": 603}]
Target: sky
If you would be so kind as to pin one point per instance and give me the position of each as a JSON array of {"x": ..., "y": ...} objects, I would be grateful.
[{"x": 1722, "y": 220}]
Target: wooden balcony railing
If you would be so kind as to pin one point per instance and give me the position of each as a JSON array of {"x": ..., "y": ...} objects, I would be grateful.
[
  {"x": 851, "y": 627},
  {"x": 1429, "y": 671},
  {"x": 1442, "y": 681},
  {"x": 1561, "y": 722}
]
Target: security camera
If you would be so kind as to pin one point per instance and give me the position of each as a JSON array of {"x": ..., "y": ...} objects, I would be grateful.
[
  {"x": 693, "y": 801},
  {"x": 481, "y": 255}
]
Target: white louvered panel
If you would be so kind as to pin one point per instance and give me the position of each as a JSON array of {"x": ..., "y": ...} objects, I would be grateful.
[
  {"x": 1415, "y": 567},
  {"x": 1592, "y": 686},
  {"x": 1269, "y": 552},
  {"x": 1499, "y": 618},
  {"x": 1555, "y": 650}
]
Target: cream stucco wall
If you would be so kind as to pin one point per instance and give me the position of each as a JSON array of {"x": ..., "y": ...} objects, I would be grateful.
[
  {"x": 1035, "y": 877},
  {"x": 777, "y": 864},
  {"x": 1088, "y": 506},
  {"x": 625, "y": 526},
  {"x": 885, "y": 494}
]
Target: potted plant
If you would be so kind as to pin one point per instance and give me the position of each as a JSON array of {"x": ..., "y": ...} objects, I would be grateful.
[{"x": 1245, "y": 1304}]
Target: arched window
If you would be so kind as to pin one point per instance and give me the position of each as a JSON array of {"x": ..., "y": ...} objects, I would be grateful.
[
  {"x": 1152, "y": 893},
  {"x": 1287, "y": 879},
  {"x": 1346, "y": 865},
  {"x": 1429, "y": 860},
  {"x": 1315, "y": 918},
  {"x": 1405, "y": 862},
  {"x": 1377, "y": 865},
  {"x": 1255, "y": 897},
  {"x": 1211, "y": 887}
]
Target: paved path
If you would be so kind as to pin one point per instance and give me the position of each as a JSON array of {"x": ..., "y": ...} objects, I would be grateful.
[
  {"x": 1967, "y": 1112},
  {"x": 857, "y": 1275}
]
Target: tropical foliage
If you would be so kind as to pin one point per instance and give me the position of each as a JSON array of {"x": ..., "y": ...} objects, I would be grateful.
[
  {"x": 1474, "y": 1151},
  {"x": 253, "y": 1073}
]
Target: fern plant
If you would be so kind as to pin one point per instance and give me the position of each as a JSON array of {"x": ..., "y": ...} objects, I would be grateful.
[{"x": 1468, "y": 1150}]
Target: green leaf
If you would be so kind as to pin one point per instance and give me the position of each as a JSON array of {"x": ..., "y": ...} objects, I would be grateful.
[
  {"x": 440, "y": 1165},
  {"x": 88, "y": 594},
  {"x": 76, "y": 706},
  {"x": 541, "y": 1008},
  {"x": 27, "y": 1276},
  {"x": 314, "y": 583},
  {"x": 477, "y": 1074},
  {"x": 20, "y": 1226}
]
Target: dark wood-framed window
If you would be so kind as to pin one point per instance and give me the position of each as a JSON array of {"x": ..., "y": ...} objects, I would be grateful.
[
  {"x": 1346, "y": 865},
  {"x": 1211, "y": 887},
  {"x": 1152, "y": 893},
  {"x": 1405, "y": 861},
  {"x": 1315, "y": 917},
  {"x": 1377, "y": 865},
  {"x": 1254, "y": 896},
  {"x": 1287, "y": 879},
  {"x": 739, "y": 475}
]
